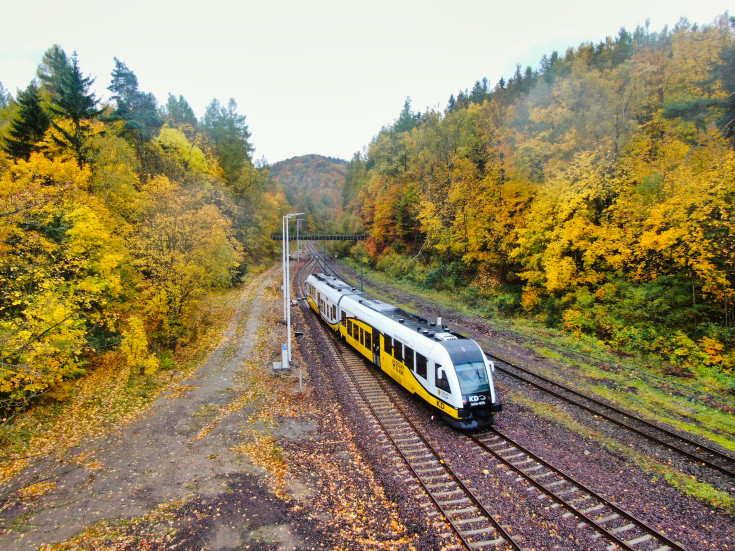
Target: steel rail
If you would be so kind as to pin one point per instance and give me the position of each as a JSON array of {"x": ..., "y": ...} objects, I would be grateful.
[
  {"x": 447, "y": 513},
  {"x": 699, "y": 458},
  {"x": 727, "y": 462},
  {"x": 571, "y": 481}
]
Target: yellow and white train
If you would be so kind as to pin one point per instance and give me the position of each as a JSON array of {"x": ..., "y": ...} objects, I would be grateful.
[{"x": 445, "y": 369}]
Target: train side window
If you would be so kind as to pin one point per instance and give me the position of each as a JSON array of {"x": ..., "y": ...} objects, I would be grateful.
[
  {"x": 388, "y": 344},
  {"x": 349, "y": 327},
  {"x": 398, "y": 351},
  {"x": 408, "y": 357},
  {"x": 421, "y": 365},
  {"x": 344, "y": 316},
  {"x": 368, "y": 339},
  {"x": 441, "y": 378},
  {"x": 362, "y": 336}
]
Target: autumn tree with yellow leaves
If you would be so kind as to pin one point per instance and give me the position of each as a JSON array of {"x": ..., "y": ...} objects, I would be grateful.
[{"x": 113, "y": 226}]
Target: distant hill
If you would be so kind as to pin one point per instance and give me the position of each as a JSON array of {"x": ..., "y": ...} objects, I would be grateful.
[{"x": 313, "y": 184}]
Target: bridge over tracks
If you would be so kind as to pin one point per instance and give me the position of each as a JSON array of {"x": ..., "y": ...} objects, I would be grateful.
[{"x": 322, "y": 236}]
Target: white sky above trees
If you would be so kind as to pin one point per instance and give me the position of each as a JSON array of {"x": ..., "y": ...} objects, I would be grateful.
[{"x": 317, "y": 76}]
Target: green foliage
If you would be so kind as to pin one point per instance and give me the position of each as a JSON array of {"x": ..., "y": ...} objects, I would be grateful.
[
  {"x": 29, "y": 125},
  {"x": 137, "y": 110},
  {"x": 179, "y": 114},
  {"x": 231, "y": 137}
]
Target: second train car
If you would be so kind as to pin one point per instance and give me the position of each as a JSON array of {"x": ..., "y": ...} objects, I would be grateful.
[{"x": 444, "y": 368}]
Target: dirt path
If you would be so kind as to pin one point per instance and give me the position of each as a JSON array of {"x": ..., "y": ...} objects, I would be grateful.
[{"x": 180, "y": 448}]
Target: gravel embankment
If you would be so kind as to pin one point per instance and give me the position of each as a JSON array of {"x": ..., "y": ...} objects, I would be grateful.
[{"x": 606, "y": 469}]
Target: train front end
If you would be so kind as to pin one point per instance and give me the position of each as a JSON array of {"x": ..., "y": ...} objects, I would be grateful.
[{"x": 474, "y": 376}]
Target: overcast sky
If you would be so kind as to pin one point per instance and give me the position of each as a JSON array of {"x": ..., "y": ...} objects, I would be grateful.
[{"x": 316, "y": 76}]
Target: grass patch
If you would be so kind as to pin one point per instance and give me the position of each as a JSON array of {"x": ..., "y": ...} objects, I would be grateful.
[
  {"x": 689, "y": 485},
  {"x": 151, "y": 531}
]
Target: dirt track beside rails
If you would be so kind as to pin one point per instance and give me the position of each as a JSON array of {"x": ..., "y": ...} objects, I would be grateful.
[
  {"x": 158, "y": 458},
  {"x": 234, "y": 457}
]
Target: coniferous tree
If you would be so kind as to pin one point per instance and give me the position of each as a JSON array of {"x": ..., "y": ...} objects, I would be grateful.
[
  {"x": 451, "y": 103},
  {"x": 72, "y": 100},
  {"x": 479, "y": 91},
  {"x": 53, "y": 69},
  {"x": 29, "y": 125},
  {"x": 138, "y": 110},
  {"x": 407, "y": 119},
  {"x": 230, "y": 135},
  {"x": 179, "y": 113}
]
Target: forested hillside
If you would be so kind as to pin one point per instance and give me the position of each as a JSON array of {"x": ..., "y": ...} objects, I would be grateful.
[
  {"x": 115, "y": 220},
  {"x": 313, "y": 184},
  {"x": 594, "y": 192}
]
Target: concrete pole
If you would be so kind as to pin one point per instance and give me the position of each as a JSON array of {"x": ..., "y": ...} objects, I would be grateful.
[
  {"x": 287, "y": 279},
  {"x": 288, "y": 292},
  {"x": 283, "y": 264}
]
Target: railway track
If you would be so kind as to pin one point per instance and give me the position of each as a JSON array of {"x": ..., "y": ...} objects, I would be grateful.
[
  {"x": 471, "y": 522},
  {"x": 473, "y": 526},
  {"x": 605, "y": 518},
  {"x": 676, "y": 442},
  {"x": 452, "y": 495},
  {"x": 694, "y": 451}
]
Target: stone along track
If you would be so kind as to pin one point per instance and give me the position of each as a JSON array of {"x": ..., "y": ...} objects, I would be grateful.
[
  {"x": 417, "y": 460},
  {"x": 604, "y": 517},
  {"x": 678, "y": 443},
  {"x": 598, "y": 518},
  {"x": 696, "y": 452}
]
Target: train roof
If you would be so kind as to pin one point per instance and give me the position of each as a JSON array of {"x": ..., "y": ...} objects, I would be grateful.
[{"x": 416, "y": 323}]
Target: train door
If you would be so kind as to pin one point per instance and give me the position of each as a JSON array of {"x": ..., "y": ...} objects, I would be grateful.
[{"x": 376, "y": 346}]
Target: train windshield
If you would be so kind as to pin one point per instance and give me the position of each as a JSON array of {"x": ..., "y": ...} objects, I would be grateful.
[
  {"x": 472, "y": 377},
  {"x": 469, "y": 364}
]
